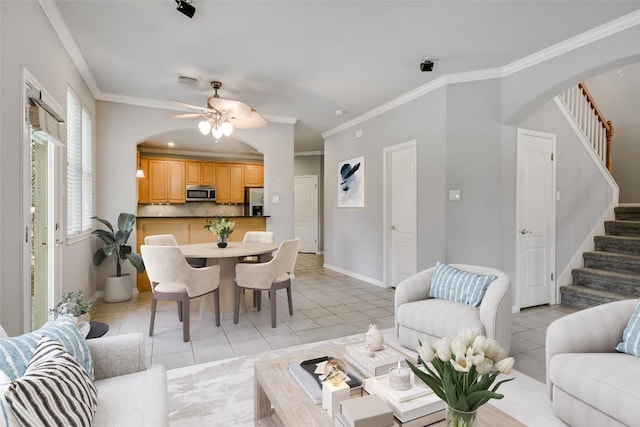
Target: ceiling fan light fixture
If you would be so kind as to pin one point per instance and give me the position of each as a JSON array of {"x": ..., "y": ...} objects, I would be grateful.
[
  {"x": 204, "y": 126},
  {"x": 217, "y": 132},
  {"x": 226, "y": 127}
]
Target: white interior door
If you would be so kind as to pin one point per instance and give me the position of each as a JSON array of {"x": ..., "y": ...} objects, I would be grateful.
[
  {"x": 305, "y": 215},
  {"x": 535, "y": 218},
  {"x": 400, "y": 201}
]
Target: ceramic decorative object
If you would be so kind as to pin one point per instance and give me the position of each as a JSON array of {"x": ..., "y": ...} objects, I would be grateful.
[{"x": 373, "y": 340}]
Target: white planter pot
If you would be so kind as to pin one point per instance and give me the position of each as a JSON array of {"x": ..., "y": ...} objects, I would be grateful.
[{"x": 117, "y": 289}]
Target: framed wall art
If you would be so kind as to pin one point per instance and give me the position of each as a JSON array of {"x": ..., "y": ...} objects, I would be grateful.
[{"x": 351, "y": 184}]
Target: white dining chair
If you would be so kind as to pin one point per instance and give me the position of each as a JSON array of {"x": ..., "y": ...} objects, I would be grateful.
[
  {"x": 268, "y": 276},
  {"x": 173, "y": 279},
  {"x": 258, "y": 237},
  {"x": 170, "y": 240}
]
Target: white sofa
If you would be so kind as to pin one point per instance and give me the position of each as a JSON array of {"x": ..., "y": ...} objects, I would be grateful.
[
  {"x": 129, "y": 394},
  {"x": 589, "y": 383},
  {"x": 419, "y": 317}
]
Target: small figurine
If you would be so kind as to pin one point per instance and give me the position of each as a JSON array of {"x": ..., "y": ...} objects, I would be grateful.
[{"x": 373, "y": 340}]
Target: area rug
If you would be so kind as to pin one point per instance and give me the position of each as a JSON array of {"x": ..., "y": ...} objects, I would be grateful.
[{"x": 221, "y": 393}]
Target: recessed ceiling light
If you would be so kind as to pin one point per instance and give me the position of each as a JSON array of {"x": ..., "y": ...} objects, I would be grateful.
[
  {"x": 339, "y": 112},
  {"x": 171, "y": 144}
]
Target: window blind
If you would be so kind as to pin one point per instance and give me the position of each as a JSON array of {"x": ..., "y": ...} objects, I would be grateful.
[{"x": 79, "y": 167}]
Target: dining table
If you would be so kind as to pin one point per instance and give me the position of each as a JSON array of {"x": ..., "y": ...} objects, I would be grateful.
[{"x": 226, "y": 258}]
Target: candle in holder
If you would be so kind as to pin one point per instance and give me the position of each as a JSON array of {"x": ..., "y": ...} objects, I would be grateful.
[{"x": 399, "y": 378}]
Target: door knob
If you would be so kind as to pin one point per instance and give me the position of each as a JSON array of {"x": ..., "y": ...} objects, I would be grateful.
[
  {"x": 393, "y": 227},
  {"x": 525, "y": 231},
  {"x": 43, "y": 244}
]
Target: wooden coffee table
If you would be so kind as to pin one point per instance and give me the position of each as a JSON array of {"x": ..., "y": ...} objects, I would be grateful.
[{"x": 280, "y": 401}]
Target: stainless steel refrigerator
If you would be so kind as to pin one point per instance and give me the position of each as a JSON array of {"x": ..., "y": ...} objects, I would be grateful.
[{"x": 254, "y": 201}]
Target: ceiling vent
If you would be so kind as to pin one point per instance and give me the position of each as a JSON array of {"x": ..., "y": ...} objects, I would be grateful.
[{"x": 188, "y": 81}]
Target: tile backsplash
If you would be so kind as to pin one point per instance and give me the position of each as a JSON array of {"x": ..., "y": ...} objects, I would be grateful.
[{"x": 191, "y": 209}]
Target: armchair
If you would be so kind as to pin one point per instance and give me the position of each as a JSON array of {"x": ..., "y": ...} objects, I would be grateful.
[{"x": 419, "y": 317}]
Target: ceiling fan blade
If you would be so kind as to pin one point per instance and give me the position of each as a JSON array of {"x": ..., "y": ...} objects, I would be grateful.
[
  {"x": 184, "y": 104},
  {"x": 186, "y": 116},
  {"x": 255, "y": 120},
  {"x": 230, "y": 108}
]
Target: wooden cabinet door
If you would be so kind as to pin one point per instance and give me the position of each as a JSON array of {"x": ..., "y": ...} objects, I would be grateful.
[
  {"x": 223, "y": 183},
  {"x": 253, "y": 176},
  {"x": 208, "y": 173},
  {"x": 158, "y": 181},
  {"x": 192, "y": 175},
  {"x": 175, "y": 184},
  {"x": 237, "y": 184},
  {"x": 143, "y": 183}
]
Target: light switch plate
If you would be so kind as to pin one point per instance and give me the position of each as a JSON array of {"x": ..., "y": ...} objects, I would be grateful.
[
  {"x": 275, "y": 199},
  {"x": 454, "y": 195}
]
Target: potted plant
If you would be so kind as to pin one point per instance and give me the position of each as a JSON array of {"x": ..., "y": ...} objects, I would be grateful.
[
  {"x": 117, "y": 288},
  {"x": 222, "y": 227},
  {"x": 75, "y": 304}
]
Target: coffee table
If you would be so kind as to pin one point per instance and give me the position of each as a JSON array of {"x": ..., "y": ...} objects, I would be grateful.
[{"x": 280, "y": 401}]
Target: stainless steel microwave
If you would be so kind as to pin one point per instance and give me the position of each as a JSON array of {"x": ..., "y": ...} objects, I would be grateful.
[{"x": 200, "y": 193}]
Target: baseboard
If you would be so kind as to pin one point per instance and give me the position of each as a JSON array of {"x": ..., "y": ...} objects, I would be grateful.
[{"x": 355, "y": 275}]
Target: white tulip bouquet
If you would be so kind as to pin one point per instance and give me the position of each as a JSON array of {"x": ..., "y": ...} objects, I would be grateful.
[{"x": 462, "y": 370}]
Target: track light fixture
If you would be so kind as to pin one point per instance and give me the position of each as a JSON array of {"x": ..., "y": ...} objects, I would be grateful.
[
  {"x": 186, "y": 8},
  {"x": 426, "y": 65}
]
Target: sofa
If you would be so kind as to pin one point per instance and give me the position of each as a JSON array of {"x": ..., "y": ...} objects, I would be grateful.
[
  {"x": 129, "y": 394},
  {"x": 420, "y": 317},
  {"x": 590, "y": 383}
]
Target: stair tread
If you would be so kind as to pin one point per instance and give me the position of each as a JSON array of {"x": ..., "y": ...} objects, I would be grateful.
[
  {"x": 609, "y": 273},
  {"x": 608, "y": 254},
  {"x": 578, "y": 289},
  {"x": 615, "y": 236}
]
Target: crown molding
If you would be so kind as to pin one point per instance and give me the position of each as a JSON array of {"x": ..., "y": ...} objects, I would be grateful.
[
  {"x": 597, "y": 33},
  {"x": 308, "y": 153},
  {"x": 208, "y": 154}
]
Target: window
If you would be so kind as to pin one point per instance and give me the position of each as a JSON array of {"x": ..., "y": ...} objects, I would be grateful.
[{"x": 79, "y": 167}]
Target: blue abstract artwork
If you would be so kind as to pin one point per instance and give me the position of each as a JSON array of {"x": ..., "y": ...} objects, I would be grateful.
[{"x": 351, "y": 183}]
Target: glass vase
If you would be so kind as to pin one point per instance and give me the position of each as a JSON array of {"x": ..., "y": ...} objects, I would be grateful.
[
  {"x": 455, "y": 418},
  {"x": 222, "y": 241}
]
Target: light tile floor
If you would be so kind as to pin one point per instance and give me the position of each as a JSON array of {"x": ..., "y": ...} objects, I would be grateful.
[{"x": 326, "y": 305}]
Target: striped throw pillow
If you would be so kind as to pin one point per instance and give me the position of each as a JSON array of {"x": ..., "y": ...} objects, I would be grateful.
[
  {"x": 464, "y": 287},
  {"x": 15, "y": 352},
  {"x": 54, "y": 391},
  {"x": 631, "y": 336},
  {"x": 7, "y": 419}
]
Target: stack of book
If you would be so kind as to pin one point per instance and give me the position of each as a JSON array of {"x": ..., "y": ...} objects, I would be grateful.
[
  {"x": 311, "y": 382},
  {"x": 417, "y": 406},
  {"x": 366, "y": 411},
  {"x": 378, "y": 364}
]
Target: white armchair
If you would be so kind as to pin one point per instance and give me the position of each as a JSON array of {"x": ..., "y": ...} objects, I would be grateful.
[{"x": 419, "y": 317}]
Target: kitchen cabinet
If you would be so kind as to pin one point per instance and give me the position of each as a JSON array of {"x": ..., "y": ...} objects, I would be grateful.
[
  {"x": 166, "y": 181},
  {"x": 143, "y": 183},
  {"x": 253, "y": 175},
  {"x": 208, "y": 173},
  {"x": 229, "y": 183},
  {"x": 192, "y": 173}
]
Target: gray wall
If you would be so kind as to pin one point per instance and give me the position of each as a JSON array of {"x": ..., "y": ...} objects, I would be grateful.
[
  {"x": 354, "y": 237},
  {"x": 27, "y": 40},
  {"x": 584, "y": 193},
  {"x": 313, "y": 165}
]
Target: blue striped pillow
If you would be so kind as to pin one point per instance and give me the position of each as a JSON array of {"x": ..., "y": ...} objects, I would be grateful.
[
  {"x": 15, "y": 352},
  {"x": 631, "y": 336},
  {"x": 464, "y": 287}
]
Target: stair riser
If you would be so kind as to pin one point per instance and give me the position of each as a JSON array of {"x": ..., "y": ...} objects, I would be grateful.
[
  {"x": 580, "y": 301},
  {"x": 614, "y": 284},
  {"x": 611, "y": 244},
  {"x": 627, "y": 213},
  {"x": 618, "y": 228},
  {"x": 611, "y": 264}
]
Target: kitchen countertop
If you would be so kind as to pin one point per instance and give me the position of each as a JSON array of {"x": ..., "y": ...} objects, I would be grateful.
[{"x": 199, "y": 216}]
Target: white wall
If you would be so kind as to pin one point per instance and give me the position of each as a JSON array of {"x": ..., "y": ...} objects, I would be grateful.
[
  {"x": 27, "y": 40},
  {"x": 121, "y": 127}
]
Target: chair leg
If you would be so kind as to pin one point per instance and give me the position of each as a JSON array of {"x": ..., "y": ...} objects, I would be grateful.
[
  {"x": 186, "y": 313},
  {"x": 216, "y": 303},
  {"x": 236, "y": 305},
  {"x": 180, "y": 314},
  {"x": 273, "y": 301},
  {"x": 154, "y": 302},
  {"x": 258, "y": 295},
  {"x": 290, "y": 302}
]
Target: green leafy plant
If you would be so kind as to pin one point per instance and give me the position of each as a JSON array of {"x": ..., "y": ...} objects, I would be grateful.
[
  {"x": 220, "y": 226},
  {"x": 115, "y": 243},
  {"x": 74, "y": 303},
  {"x": 462, "y": 370}
]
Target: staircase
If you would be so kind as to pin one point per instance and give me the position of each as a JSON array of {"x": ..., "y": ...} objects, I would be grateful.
[{"x": 612, "y": 271}]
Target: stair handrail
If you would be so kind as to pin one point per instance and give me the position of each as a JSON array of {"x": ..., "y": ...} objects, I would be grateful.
[{"x": 597, "y": 129}]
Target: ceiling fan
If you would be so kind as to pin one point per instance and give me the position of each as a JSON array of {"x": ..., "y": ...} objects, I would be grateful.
[{"x": 221, "y": 115}]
